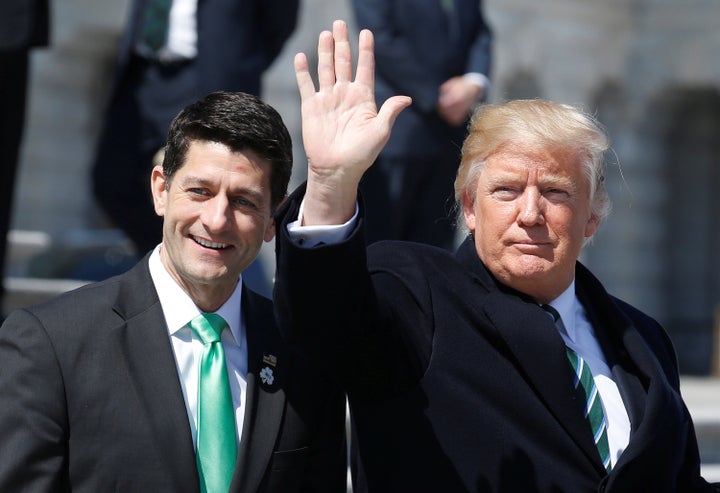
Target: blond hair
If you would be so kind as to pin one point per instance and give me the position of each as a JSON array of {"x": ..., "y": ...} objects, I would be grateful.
[{"x": 535, "y": 123}]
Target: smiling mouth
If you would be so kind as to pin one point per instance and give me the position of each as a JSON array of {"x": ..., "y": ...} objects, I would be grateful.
[{"x": 210, "y": 244}]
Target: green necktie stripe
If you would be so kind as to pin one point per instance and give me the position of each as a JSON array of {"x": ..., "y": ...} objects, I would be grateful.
[
  {"x": 216, "y": 430},
  {"x": 155, "y": 25},
  {"x": 585, "y": 382}
]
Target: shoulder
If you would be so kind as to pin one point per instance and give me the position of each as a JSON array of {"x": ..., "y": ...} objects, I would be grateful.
[
  {"x": 93, "y": 304},
  {"x": 408, "y": 258},
  {"x": 416, "y": 266}
]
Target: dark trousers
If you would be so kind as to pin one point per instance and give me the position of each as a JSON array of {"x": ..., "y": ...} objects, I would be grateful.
[
  {"x": 411, "y": 199},
  {"x": 146, "y": 100},
  {"x": 13, "y": 91}
]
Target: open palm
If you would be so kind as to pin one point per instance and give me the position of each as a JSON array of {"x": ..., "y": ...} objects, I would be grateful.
[{"x": 343, "y": 132}]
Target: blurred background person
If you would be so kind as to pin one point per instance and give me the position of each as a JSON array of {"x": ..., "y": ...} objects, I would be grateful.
[
  {"x": 23, "y": 26},
  {"x": 438, "y": 52},
  {"x": 171, "y": 53}
]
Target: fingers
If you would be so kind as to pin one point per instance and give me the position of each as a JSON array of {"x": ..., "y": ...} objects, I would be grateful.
[
  {"x": 306, "y": 86},
  {"x": 326, "y": 60},
  {"x": 366, "y": 59},
  {"x": 391, "y": 108},
  {"x": 343, "y": 55},
  {"x": 335, "y": 60}
]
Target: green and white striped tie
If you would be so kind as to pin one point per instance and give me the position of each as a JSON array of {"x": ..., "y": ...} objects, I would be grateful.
[{"x": 584, "y": 384}]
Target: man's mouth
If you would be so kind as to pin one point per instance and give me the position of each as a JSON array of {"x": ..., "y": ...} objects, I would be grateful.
[{"x": 210, "y": 244}]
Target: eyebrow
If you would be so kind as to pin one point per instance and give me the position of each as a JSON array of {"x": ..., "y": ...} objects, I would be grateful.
[{"x": 545, "y": 179}]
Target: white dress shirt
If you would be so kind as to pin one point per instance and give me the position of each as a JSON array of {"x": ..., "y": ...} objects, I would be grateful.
[
  {"x": 179, "y": 310},
  {"x": 182, "y": 36},
  {"x": 579, "y": 335}
]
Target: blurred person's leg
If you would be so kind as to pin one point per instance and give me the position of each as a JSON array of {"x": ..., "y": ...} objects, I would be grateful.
[
  {"x": 13, "y": 93},
  {"x": 135, "y": 128}
]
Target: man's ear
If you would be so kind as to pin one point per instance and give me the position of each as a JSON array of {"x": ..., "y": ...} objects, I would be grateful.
[
  {"x": 468, "y": 205},
  {"x": 158, "y": 187},
  {"x": 592, "y": 226},
  {"x": 270, "y": 230}
]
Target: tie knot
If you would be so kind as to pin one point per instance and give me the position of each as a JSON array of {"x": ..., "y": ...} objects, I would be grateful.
[
  {"x": 552, "y": 312},
  {"x": 208, "y": 326}
]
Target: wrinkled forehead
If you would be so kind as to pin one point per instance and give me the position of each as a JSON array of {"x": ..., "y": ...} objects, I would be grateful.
[{"x": 534, "y": 160}]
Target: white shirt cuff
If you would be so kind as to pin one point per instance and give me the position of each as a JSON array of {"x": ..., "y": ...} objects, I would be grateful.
[{"x": 310, "y": 236}]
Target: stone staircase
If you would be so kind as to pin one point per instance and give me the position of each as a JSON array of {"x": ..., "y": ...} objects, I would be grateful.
[{"x": 702, "y": 396}]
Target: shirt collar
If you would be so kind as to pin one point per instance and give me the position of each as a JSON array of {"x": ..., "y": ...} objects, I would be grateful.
[
  {"x": 565, "y": 304},
  {"x": 178, "y": 307}
]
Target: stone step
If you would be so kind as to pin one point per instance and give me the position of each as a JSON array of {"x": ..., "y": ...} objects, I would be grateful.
[{"x": 702, "y": 396}]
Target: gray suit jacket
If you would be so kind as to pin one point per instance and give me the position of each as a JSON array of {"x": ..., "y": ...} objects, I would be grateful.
[{"x": 90, "y": 400}]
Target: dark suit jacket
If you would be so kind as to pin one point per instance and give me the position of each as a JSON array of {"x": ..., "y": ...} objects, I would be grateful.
[
  {"x": 237, "y": 42},
  {"x": 417, "y": 48},
  {"x": 23, "y": 24},
  {"x": 90, "y": 400},
  {"x": 457, "y": 383}
]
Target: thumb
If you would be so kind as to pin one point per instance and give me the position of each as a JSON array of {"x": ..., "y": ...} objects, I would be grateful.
[{"x": 391, "y": 108}]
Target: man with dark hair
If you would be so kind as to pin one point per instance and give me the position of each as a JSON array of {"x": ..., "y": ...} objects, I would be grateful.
[
  {"x": 173, "y": 52},
  {"x": 132, "y": 384}
]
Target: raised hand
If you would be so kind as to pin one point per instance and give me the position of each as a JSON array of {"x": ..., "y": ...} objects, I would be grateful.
[{"x": 343, "y": 131}]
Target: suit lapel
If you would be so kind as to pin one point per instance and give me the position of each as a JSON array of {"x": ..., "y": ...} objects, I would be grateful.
[
  {"x": 540, "y": 356},
  {"x": 265, "y": 396},
  {"x": 536, "y": 348},
  {"x": 655, "y": 408},
  {"x": 614, "y": 332},
  {"x": 648, "y": 395},
  {"x": 152, "y": 367}
]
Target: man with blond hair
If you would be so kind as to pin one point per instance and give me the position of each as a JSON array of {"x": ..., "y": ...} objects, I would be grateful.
[{"x": 505, "y": 366}]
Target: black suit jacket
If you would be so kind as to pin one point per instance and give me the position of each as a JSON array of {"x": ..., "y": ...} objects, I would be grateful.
[
  {"x": 90, "y": 400},
  {"x": 23, "y": 24},
  {"x": 457, "y": 383},
  {"x": 237, "y": 41}
]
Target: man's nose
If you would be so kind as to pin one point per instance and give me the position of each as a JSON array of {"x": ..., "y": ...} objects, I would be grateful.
[
  {"x": 530, "y": 207},
  {"x": 216, "y": 214}
]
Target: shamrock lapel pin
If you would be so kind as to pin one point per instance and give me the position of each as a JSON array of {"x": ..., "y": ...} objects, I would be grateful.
[{"x": 266, "y": 375}]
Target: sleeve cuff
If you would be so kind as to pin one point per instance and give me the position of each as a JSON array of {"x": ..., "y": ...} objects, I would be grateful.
[{"x": 310, "y": 236}]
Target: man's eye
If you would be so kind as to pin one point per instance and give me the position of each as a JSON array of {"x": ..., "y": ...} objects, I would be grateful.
[
  {"x": 556, "y": 193},
  {"x": 243, "y": 202},
  {"x": 505, "y": 192}
]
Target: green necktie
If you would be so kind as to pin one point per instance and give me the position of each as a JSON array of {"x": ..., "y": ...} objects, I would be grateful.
[
  {"x": 584, "y": 384},
  {"x": 155, "y": 25},
  {"x": 216, "y": 431}
]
